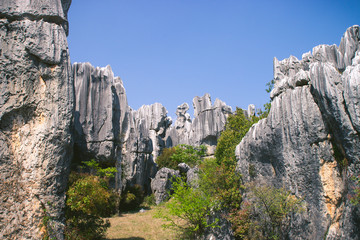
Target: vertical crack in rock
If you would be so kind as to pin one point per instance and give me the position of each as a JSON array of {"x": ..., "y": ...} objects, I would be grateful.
[{"x": 36, "y": 110}]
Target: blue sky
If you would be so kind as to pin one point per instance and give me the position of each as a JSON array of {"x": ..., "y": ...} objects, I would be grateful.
[{"x": 170, "y": 51}]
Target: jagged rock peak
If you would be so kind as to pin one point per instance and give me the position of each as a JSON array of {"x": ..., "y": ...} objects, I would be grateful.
[
  {"x": 291, "y": 72},
  {"x": 155, "y": 115},
  {"x": 100, "y": 111},
  {"x": 310, "y": 141},
  {"x": 202, "y": 104},
  {"x": 36, "y": 110}
]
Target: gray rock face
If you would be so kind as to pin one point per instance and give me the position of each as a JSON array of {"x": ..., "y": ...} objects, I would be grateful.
[
  {"x": 222, "y": 232},
  {"x": 192, "y": 177},
  {"x": 143, "y": 141},
  {"x": 108, "y": 130},
  {"x": 101, "y": 115},
  {"x": 36, "y": 109},
  {"x": 162, "y": 183},
  {"x": 309, "y": 142}
]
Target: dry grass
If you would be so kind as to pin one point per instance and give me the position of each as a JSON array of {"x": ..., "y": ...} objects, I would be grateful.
[{"x": 139, "y": 226}]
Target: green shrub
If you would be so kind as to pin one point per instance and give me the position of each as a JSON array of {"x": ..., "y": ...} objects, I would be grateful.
[
  {"x": 131, "y": 198},
  {"x": 171, "y": 157},
  {"x": 149, "y": 201},
  {"x": 237, "y": 125},
  {"x": 222, "y": 183},
  {"x": 267, "y": 215},
  {"x": 164, "y": 159},
  {"x": 88, "y": 199},
  {"x": 192, "y": 206}
]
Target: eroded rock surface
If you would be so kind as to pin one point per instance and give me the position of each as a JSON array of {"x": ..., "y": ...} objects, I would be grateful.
[
  {"x": 310, "y": 142},
  {"x": 142, "y": 144},
  {"x": 161, "y": 185},
  {"x": 36, "y": 109}
]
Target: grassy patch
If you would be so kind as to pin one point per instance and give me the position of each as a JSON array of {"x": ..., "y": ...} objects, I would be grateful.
[{"x": 139, "y": 226}]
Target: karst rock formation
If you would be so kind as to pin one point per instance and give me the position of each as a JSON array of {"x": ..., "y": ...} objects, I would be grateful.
[
  {"x": 310, "y": 141},
  {"x": 36, "y": 109},
  {"x": 109, "y": 130}
]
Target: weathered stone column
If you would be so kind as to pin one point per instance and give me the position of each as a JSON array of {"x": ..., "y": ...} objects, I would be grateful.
[{"x": 36, "y": 110}]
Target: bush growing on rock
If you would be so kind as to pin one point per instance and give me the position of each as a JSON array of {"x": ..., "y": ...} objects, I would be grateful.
[{"x": 182, "y": 153}]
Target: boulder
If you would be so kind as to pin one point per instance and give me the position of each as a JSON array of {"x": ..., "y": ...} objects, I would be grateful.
[{"x": 162, "y": 183}]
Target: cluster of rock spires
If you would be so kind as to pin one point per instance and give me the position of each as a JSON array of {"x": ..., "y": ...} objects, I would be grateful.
[
  {"x": 107, "y": 129},
  {"x": 310, "y": 142},
  {"x": 50, "y": 109}
]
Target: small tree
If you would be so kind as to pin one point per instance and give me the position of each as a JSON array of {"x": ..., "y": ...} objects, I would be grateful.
[
  {"x": 223, "y": 184},
  {"x": 88, "y": 200},
  {"x": 237, "y": 125},
  {"x": 192, "y": 206}
]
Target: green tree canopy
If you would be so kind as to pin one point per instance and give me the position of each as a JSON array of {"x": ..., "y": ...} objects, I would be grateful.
[
  {"x": 181, "y": 153},
  {"x": 236, "y": 127}
]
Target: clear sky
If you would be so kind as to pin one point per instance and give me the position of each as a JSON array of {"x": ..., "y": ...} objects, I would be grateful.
[{"x": 170, "y": 51}]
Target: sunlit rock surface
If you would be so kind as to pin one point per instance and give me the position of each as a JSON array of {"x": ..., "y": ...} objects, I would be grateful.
[
  {"x": 36, "y": 109},
  {"x": 310, "y": 142}
]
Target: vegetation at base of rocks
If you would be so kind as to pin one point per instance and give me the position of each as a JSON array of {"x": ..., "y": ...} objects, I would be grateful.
[
  {"x": 131, "y": 198},
  {"x": 219, "y": 185},
  {"x": 149, "y": 201},
  {"x": 221, "y": 182},
  {"x": 267, "y": 211},
  {"x": 89, "y": 199},
  {"x": 267, "y": 214},
  {"x": 182, "y": 153},
  {"x": 191, "y": 205}
]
